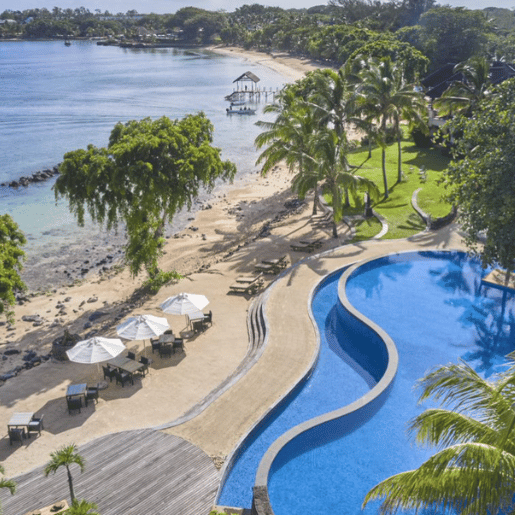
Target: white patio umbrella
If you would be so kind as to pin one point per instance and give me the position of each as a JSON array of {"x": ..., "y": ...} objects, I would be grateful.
[
  {"x": 95, "y": 350},
  {"x": 142, "y": 327},
  {"x": 184, "y": 304}
]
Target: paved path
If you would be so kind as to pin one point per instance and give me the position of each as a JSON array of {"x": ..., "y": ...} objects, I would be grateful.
[{"x": 129, "y": 473}]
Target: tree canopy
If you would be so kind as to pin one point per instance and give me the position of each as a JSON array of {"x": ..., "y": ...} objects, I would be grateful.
[
  {"x": 150, "y": 170},
  {"x": 11, "y": 258},
  {"x": 480, "y": 179}
]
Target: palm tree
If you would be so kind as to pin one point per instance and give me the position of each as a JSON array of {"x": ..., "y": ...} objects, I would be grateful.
[
  {"x": 383, "y": 96},
  {"x": 82, "y": 507},
  {"x": 65, "y": 457},
  {"x": 331, "y": 154},
  {"x": 290, "y": 139},
  {"x": 463, "y": 95},
  {"x": 6, "y": 483},
  {"x": 473, "y": 473}
]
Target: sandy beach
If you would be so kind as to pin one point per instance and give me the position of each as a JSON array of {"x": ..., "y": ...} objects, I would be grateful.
[{"x": 256, "y": 218}]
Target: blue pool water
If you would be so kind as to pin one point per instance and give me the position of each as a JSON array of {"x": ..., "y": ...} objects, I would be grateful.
[{"x": 437, "y": 310}]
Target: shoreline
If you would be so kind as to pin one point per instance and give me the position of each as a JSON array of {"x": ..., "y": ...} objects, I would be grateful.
[{"x": 222, "y": 222}]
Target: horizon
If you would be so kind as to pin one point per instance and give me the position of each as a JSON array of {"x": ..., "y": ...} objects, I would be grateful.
[{"x": 172, "y": 6}]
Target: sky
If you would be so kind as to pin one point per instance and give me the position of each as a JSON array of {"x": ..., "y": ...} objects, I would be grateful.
[{"x": 171, "y": 6}]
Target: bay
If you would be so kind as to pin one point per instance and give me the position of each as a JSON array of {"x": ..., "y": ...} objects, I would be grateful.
[{"x": 57, "y": 98}]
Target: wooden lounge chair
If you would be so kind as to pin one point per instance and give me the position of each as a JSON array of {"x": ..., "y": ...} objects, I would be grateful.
[
  {"x": 272, "y": 266},
  {"x": 307, "y": 245},
  {"x": 248, "y": 287}
]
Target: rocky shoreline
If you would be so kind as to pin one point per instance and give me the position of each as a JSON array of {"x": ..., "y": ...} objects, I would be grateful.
[{"x": 39, "y": 176}]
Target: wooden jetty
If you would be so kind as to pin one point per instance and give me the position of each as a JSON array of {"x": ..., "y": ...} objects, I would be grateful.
[{"x": 248, "y": 90}]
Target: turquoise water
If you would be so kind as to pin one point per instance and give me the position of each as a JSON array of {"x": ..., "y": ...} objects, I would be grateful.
[
  {"x": 437, "y": 311},
  {"x": 57, "y": 98}
]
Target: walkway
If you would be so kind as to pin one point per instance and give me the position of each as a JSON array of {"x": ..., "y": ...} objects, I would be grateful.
[{"x": 129, "y": 473}]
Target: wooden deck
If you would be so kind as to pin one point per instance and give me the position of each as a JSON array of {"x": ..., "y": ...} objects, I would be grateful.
[{"x": 129, "y": 473}]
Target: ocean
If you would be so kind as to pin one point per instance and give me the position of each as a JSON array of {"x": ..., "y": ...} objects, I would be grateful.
[{"x": 57, "y": 98}]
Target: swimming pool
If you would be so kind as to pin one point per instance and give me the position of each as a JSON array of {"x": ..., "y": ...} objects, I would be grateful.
[{"x": 437, "y": 310}]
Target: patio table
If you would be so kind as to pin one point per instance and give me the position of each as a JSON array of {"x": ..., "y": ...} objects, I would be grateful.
[
  {"x": 20, "y": 420},
  {"x": 126, "y": 364},
  {"x": 74, "y": 390},
  {"x": 166, "y": 338}
]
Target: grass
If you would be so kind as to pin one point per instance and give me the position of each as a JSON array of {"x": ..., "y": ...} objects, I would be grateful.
[
  {"x": 422, "y": 168},
  {"x": 366, "y": 229}
]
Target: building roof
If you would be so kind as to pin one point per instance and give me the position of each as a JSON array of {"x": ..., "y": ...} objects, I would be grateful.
[{"x": 247, "y": 76}]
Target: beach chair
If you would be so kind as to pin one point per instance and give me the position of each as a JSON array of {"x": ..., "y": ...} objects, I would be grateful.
[
  {"x": 248, "y": 288},
  {"x": 307, "y": 245},
  {"x": 272, "y": 266}
]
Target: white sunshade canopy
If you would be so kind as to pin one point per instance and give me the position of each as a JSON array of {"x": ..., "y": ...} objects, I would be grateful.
[
  {"x": 95, "y": 350},
  {"x": 142, "y": 327},
  {"x": 184, "y": 304}
]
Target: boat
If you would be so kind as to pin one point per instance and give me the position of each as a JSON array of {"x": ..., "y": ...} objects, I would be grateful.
[
  {"x": 244, "y": 110},
  {"x": 66, "y": 42},
  {"x": 238, "y": 103}
]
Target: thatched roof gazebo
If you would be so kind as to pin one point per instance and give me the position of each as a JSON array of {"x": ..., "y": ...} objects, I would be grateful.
[{"x": 243, "y": 80}]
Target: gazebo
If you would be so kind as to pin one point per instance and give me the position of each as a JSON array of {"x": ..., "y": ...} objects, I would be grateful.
[{"x": 243, "y": 81}]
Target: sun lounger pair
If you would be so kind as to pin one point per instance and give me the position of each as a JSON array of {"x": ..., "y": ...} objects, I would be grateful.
[
  {"x": 247, "y": 284},
  {"x": 322, "y": 220},
  {"x": 272, "y": 266},
  {"x": 307, "y": 245}
]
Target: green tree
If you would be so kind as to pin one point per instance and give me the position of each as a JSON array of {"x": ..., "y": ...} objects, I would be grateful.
[
  {"x": 65, "y": 457},
  {"x": 11, "y": 258},
  {"x": 9, "y": 484},
  {"x": 451, "y": 35},
  {"x": 290, "y": 139},
  {"x": 150, "y": 170},
  {"x": 385, "y": 96},
  {"x": 82, "y": 507},
  {"x": 330, "y": 152},
  {"x": 480, "y": 179},
  {"x": 472, "y": 473},
  {"x": 463, "y": 96}
]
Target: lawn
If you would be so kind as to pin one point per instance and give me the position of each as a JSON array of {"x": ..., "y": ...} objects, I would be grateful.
[{"x": 422, "y": 168}]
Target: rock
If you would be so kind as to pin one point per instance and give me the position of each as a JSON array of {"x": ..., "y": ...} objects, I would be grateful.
[
  {"x": 7, "y": 376},
  {"x": 31, "y": 318},
  {"x": 96, "y": 315},
  {"x": 67, "y": 299},
  {"x": 11, "y": 352},
  {"x": 87, "y": 325},
  {"x": 29, "y": 356},
  {"x": 92, "y": 299}
]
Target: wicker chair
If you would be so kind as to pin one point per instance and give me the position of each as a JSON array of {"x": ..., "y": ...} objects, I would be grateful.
[
  {"x": 156, "y": 345},
  {"x": 74, "y": 404},
  {"x": 123, "y": 377},
  {"x": 15, "y": 435},
  {"x": 165, "y": 351},
  {"x": 109, "y": 373},
  {"x": 92, "y": 394},
  {"x": 35, "y": 426},
  {"x": 131, "y": 355},
  {"x": 146, "y": 362}
]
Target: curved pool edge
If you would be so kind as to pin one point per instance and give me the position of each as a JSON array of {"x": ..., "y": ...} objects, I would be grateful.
[
  {"x": 228, "y": 465},
  {"x": 261, "y": 504}
]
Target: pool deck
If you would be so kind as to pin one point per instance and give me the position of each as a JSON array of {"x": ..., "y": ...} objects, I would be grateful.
[{"x": 179, "y": 387}]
